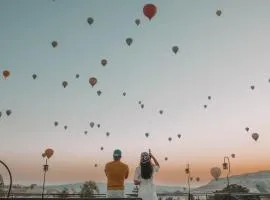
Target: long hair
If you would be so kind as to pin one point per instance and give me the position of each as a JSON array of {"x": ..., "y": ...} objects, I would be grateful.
[{"x": 146, "y": 170}]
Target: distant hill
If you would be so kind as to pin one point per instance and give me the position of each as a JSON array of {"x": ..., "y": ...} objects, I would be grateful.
[{"x": 257, "y": 182}]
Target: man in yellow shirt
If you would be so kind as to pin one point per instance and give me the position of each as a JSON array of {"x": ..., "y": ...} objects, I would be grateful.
[{"x": 116, "y": 173}]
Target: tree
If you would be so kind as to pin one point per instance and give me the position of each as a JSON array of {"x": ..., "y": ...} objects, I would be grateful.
[
  {"x": 88, "y": 189},
  {"x": 231, "y": 189}
]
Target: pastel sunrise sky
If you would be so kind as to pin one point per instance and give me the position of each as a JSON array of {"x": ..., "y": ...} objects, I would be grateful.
[{"x": 219, "y": 56}]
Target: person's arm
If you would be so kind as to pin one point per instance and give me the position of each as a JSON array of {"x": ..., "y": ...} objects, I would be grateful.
[
  {"x": 137, "y": 177},
  {"x": 154, "y": 159},
  {"x": 127, "y": 173}
]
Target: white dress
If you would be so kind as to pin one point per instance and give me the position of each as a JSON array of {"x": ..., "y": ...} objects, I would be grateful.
[{"x": 147, "y": 189}]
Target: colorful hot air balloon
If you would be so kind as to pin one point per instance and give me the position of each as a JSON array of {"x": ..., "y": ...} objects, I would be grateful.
[
  {"x": 255, "y": 136},
  {"x": 34, "y": 76},
  {"x": 146, "y": 134},
  {"x": 129, "y": 41},
  {"x": 137, "y": 22},
  {"x": 99, "y": 92},
  {"x": 90, "y": 20},
  {"x": 92, "y": 124},
  {"x": 49, "y": 152},
  {"x": 218, "y": 12},
  {"x": 8, "y": 112},
  {"x": 170, "y": 139},
  {"x": 233, "y": 155},
  {"x": 175, "y": 49},
  {"x": 92, "y": 81},
  {"x": 149, "y": 10},
  {"x": 215, "y": 172},
  {"x": 103, "y": 62},
  {"x": 54, "y": 44},
  {"x": 6, "y": 74},
  {"x": 64, "y": 84},
  {"x": 179, "y": 135}
]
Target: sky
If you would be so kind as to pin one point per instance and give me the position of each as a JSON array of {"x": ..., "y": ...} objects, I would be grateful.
[{"x": 219, "y": 56}]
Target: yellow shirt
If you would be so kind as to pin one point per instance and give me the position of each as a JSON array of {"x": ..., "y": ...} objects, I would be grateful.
[{"x": 116, "y": 173}]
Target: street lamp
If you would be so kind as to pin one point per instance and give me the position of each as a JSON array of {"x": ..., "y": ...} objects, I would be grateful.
[{"x": 227, "y": 166}]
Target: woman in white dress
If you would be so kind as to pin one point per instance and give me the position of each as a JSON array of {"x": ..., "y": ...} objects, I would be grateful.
[{"x": 144, "y": 177}]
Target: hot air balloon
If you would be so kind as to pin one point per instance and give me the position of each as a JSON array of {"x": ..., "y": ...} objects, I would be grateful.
[
  {"x": 92, "y": 81},
  {"x": 218, "y": 12},
  {"x": 65, "y": 127},
  {"x": 77, "y": 76},
  {"x": 179, "y": 135},
  {"x": 99, "y": 92},
  {"x": 252, "y": 87},
  {"x": 139, "y": 102},
  {"x": 146, "y": 134},
  {"x": 103, "y": 62},
  {"x": 233, "y": 155},
  {"x": 6, "y": 73},
  {"x": 129, "y": 41},
  {"x": 34, "y": 76},
  {"x": 8, "y": 112},
  {"x": 107, "y": 134},
  {"x": 90, "y": 20},
  {"x": 166, "y": 158},
  {"x": 149, "y": 10},
  {"x": 64, "y": 84},
  {"x": 255, "y": 136},
  {"x": 49, "y": 152},
  {"x": 269, "y": 80},
  {"x": 190, "y": 178},
  {"x": 215, "y": 172},
  {"x": 92, "y": 124},
  {"x": 124, "y": 94},
  {"x": 142, "y": 106},
  {"x": 209, "y": 97},
  {"x": 175, "y": 49},
  {"x": 170, "y": 139},
  {"x": 187, "y": 170},
  {"x": 101, "y": 148},
  {"x": 161, "y": 112},
  {"x": 205, "y": 106},
  {"x": 198, "y": 179},
  {"x": 54, "y": 44},
  {"x": 0, "y": 114},
  {"x": 96, "y": 165},
  {"x": 98, "y": 125},
  {"x": 44, "y": 155},
  {"x": 85, "y": 132},
  {"x": 137, "y": 22},
  {"x": 55, "y": 123},
  {"x": 247, "y": 129}
]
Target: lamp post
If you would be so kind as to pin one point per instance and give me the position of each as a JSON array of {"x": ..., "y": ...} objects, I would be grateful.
[
  {"x": 45, "y": 169},
  {"x": 10, "y": 178},
  {"x": 227, "y": 166}
]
